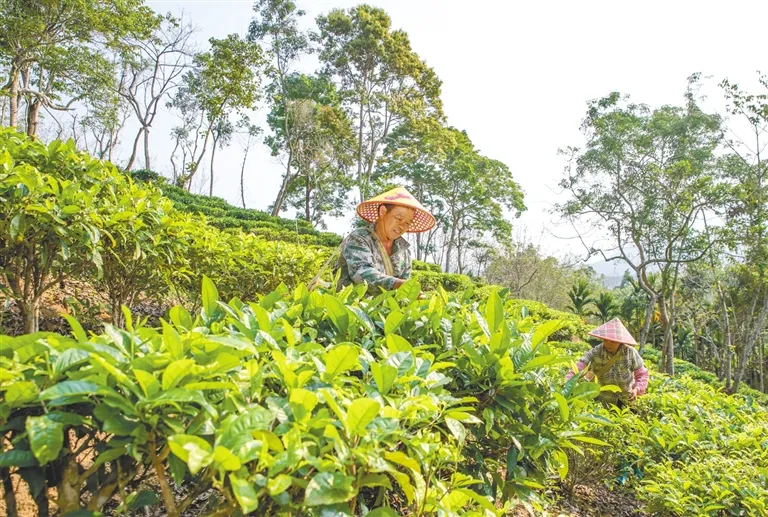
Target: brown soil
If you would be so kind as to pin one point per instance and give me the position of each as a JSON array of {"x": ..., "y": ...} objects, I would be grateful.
[{"x": 598, "y": 500}]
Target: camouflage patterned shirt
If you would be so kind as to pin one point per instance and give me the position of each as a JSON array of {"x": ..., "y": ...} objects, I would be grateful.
[{"x": 360, "y": 261}]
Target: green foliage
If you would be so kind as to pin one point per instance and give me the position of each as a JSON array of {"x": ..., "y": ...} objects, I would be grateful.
[
  {"x": 418, "y": 265},
  {"x": 301, "y": 403},
  {"x": 429, "y": 280},
  {"x": 222, "y": 215},
  {"x": 243, "y": 265},
  {"x": 581, "y": 298},
  {"x": 57, "y": 51},
  {"x": 59, "y": 209},
  {"x": 699, "y": 451}
]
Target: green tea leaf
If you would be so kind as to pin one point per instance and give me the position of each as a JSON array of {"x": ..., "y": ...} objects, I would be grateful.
[
  {"x": 393, "y": 322},
  {"x": 176, "y": 371},
  {"x": 69, "y": 358},
  {"x": 279, "y": 484},
  {"x": 329, "y": 488},
  {"x": 561, "y": 461},
  {"x": 192, "y": 450},
  {"x": 172, "y": 340},
  {"x": 401, "y": 459},
  {"x": 245, "y": 493},
  {"x": 338, "y": 313},
  {"x": 302, "y": 403},
  {"x": 210, "y": 298},
  {"x": 397, "y": 343},
  {"x": 77, "y": 329},
  {"x": 384, "y": 375},
  {"x": 225, "y": 460},
  {"x": 70, "y": 388},
  {"x": 563, "y": 404},
  {"x": 360, "y": 414},
  {"x": 20, "y": 393},
  {"x": 494, "y": 312},
  {"x": 340, "y": 359},
  {"x": 46, "y": 438}
]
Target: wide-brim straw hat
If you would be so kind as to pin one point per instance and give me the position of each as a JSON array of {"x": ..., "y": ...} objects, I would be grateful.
[
  {"x": 422, "y": 219},
  {"x": 615, "y": 331}
]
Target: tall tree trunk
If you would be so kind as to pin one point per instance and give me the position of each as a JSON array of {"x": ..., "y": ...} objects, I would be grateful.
[
  {"x": 33, "y": 116},
  {"x": 647, "y": 323},
  {"x": 307, "y": 200},
  {"x": 284, "y": 187},
  {"x": 746, "y": 351},
  {"x": 213, "y": 159},
  {"x": 668, "y": 349},
  {"x": 451, "y": 241},
  {"x": 761, "y": 364},
  {"x": 13, "y": 95},
  {"x": 135, "y": 151},
  {"x": 242, "y": 177},
  {"x": 360, "y": 153},
  {"x": 199, "y": 159},
  {"x": 146, "y": 149}
]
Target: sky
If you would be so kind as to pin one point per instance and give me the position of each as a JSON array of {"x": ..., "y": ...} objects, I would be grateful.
[{"x": 517, "y": 77}]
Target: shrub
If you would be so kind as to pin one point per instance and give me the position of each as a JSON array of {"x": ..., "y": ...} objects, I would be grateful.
[
  {"x": 304, "y": 403},
  {"x": 56, "y": 207},
  {"x": 419, "y": 265},
  {"x": 243, "y": 265},
  {"x": 449, "y": 281}
]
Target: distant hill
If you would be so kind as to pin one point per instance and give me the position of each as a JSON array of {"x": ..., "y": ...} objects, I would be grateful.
[{"x": 612, "y": 273}]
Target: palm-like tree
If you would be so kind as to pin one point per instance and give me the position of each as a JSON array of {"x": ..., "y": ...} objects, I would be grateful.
[
  {"x": 606, "y": 306},
  {"x": 581, "y": 298}
]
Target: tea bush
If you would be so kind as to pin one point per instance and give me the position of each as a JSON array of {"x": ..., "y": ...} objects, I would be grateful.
[
  {"x": 419, "y": 265},
  {"x": 300, "y": 404},
  {"x": 687, "y": 448},
  {"x": 449, "y": 281},
  {"x": 243, "y": 265},
  {"x": 222, "y": 215}
]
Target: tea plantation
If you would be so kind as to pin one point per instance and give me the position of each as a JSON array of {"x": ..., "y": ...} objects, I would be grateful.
[{"x": 254, "y": 396}]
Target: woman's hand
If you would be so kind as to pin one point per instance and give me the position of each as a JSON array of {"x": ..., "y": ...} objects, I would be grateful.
[
  {"x": 589, "y": 375},
  {"x": 632, "y": 394}
]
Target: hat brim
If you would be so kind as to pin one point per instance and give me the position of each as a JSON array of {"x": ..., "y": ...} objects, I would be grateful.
[
  {"x": 626, "y": 340},
  {"x": 422, "y": 220}
]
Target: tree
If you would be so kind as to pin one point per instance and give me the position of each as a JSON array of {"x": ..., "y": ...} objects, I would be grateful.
[
  {"x": 321, "y": 149},
  {"x": 645, "y": 180},
  {"x": 581, "y": 298},
  {"x": 151, "y": 72},
  {"x": 747, "y": 220},
  {"x": 605, "y": 306},
  {"x": 383, "y": 82},
  {"x": 467, "y": 191},
  {"x": 276, "y": 24},
  {"x": 224, "y": 79},
  {"x": 475, "y": 190},
  {"x": 251, "y": 131},
  {"x": 221, "y": 133},
  {"x": 530, "y": 275},
  {"x": 59, "y": 52}
]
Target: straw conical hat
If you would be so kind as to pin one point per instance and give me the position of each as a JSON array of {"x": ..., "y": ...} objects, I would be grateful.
[
  {"x": 422, "y": 220},
  {"x": 615, "y": 331}
]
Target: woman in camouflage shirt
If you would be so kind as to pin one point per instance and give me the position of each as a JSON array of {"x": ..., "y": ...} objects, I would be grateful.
[
  {"x": 615, "y": 362},
  {"x": 377, "y": 253}
]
